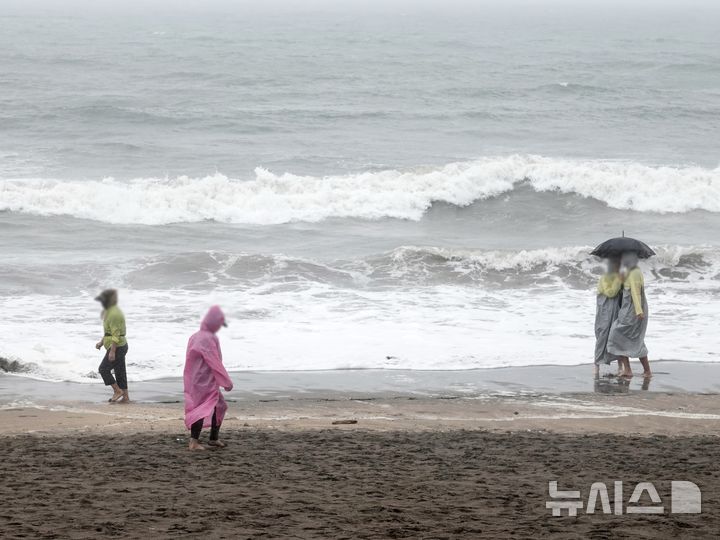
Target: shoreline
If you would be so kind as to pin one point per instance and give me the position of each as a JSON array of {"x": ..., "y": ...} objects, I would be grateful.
[
  {"x": 681, "y": 399},
  {"x": 669, "y": 376}
]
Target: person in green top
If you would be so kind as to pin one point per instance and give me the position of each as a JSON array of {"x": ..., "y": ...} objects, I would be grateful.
[
  {"x": 608, "y": 306},
  {"x": 116, "y": 346},
  {"x": 627, "y": 335}
]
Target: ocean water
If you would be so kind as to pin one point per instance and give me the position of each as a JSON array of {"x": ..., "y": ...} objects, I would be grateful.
[{"x": 395, "y": 185}]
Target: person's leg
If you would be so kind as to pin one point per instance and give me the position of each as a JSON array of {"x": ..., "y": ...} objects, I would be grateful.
[
  {"x": 195, "y": 431},
  {"x": 626, "y": 371},
  {"x": 215, "y": 432},
  {"x": 105, "y": 371},
  {"x": 646, "y": 367},
  {"x": 121, "y": 372},
  {"x": 628, "y": 368},
  {"x": 621, "y": 366}
]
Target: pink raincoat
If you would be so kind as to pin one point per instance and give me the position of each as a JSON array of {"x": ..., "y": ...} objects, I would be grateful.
[{"x": 205, "y": 373}]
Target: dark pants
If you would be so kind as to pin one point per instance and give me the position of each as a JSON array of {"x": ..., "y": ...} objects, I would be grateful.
[
  {"x": 196, "y": 428},
  {"x": 106, "y": 368}
]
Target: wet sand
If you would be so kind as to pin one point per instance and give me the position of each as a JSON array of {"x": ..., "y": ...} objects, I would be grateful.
[
  {"x": 636, "y": 414},
  {"x": 439, "y": 457},
  {"x": 345, "y": 484},
  {"x": 670, "y": 376}
]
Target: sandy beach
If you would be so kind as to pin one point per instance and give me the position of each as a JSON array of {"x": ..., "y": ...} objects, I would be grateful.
[
  {"x": 401, "y": 234},
  {"x": 417, "y": 462},
  {"x": 341, "y": 484}
]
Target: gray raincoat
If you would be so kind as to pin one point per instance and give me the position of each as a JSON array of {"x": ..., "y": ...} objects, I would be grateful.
[
  {"x": 608, "y": 306},
  {"x": 627, "y": 334},
  {"x": 606, "y": 313}
]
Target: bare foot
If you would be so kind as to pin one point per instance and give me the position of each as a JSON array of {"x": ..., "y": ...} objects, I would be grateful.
[
  {"x": 116, "y": 396},
  {"x": 647, "y": 374},
  {"x": 195, "y": 445},
  {"x": 217, "y": 444}
]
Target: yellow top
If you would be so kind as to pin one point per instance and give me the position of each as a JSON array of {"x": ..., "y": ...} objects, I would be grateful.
[
  {"x": 635, "y": 282},
  {"x": 609, "y": 285},
  {"x": 114, "y": 327}
]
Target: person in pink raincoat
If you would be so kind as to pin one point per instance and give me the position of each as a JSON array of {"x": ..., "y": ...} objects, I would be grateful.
[{"x": 203, "y": 377}]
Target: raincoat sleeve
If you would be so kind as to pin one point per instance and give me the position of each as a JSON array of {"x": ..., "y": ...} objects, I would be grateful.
[
  {"x": 213, "y": 359},
  {"x": 609, "y": 285},
  {"x": 635, "y": 283}
]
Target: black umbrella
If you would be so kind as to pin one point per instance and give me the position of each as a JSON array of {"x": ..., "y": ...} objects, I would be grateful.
[{"x": 617, "y": 246}]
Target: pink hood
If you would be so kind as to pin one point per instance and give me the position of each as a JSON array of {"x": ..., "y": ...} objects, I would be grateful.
[
  {"x": 205, "y": 373},
  {"x": 213, "y": 320}
]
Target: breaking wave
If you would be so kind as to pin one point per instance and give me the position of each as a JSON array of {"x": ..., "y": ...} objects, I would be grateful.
[
  {"x": 412, "y": 266},
  {"x": 412, "y": 307},
  {"x": 269, "y": 198},
  {"x": 404, "y": 267}
]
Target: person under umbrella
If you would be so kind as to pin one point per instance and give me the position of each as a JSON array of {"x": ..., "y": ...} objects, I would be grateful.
[
  {"x": 203, "y": 377},
  {"x": 608, "y": 306},
  {"x": 627, "y": 334}
]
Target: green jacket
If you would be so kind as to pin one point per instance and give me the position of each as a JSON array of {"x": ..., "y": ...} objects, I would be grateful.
[{"x": 114, "y": 327}]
